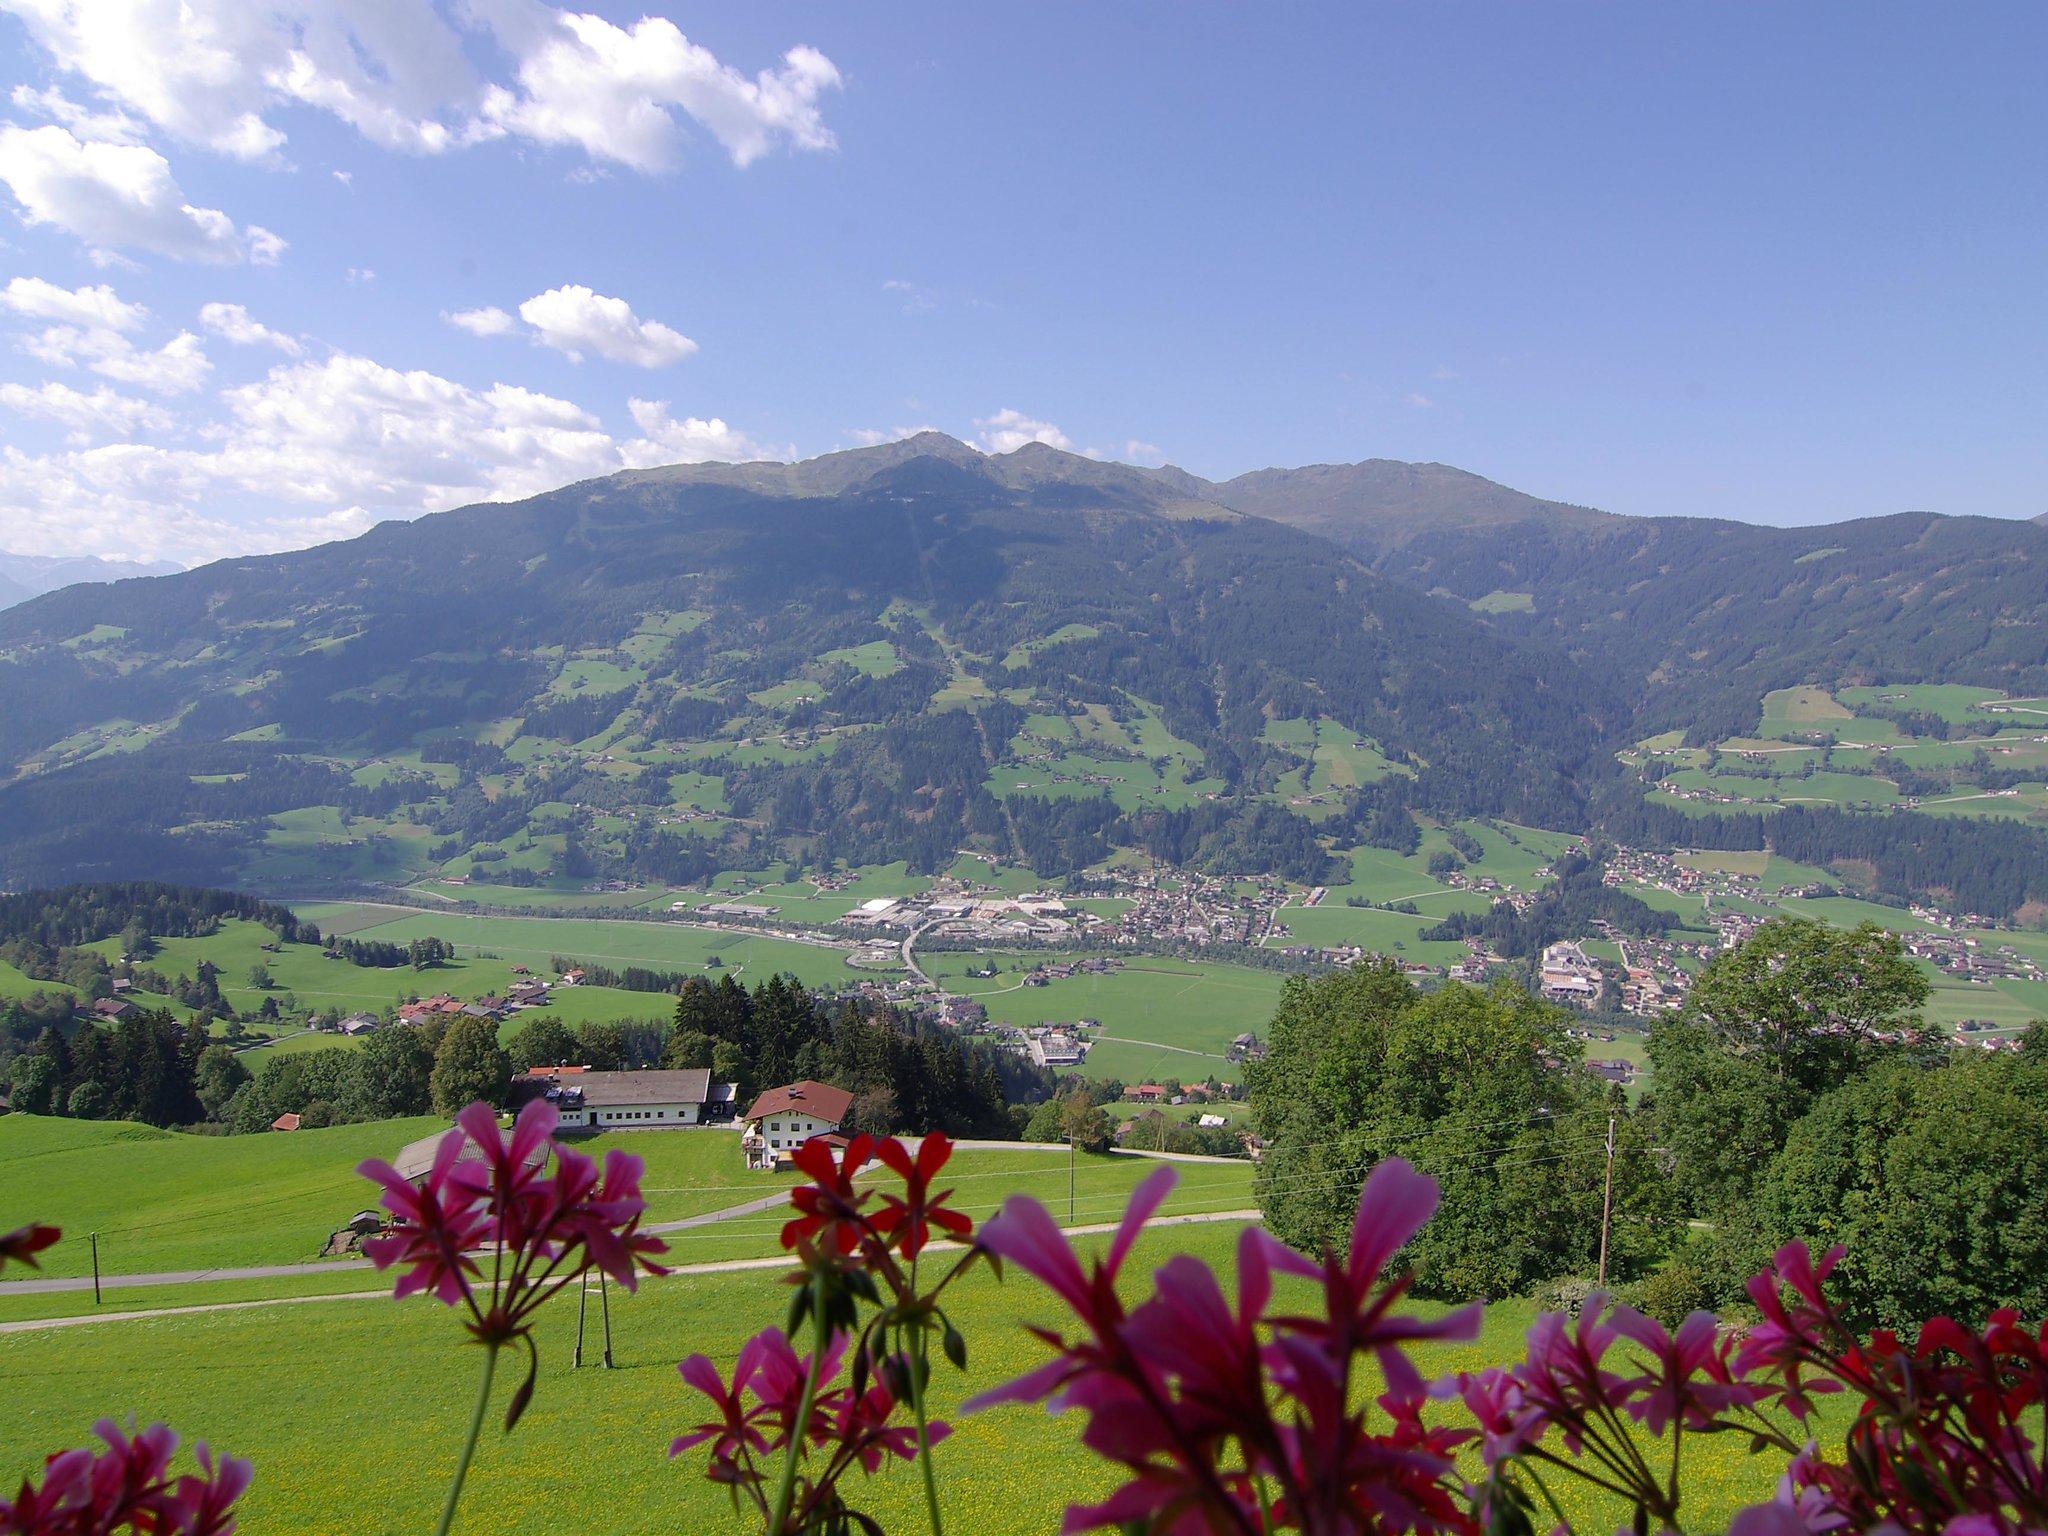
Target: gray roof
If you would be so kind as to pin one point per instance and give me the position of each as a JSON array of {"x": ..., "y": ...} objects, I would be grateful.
[
  {"x": 415, "y": 1160},
  {"x": 610, "y": 1090}
]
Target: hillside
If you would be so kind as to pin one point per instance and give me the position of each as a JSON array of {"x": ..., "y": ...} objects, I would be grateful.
[
  {"x": 1378, "y": 505},
  {"x": 1691, "y": 618},
  {"x": 888, "y": 654}
]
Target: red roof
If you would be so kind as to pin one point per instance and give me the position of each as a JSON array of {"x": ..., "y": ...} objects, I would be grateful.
[
  {"x": 285, "y": 1122},
  {"x": 821, "y": 1101}
]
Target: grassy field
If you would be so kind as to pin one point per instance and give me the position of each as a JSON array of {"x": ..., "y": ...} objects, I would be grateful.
[
  {"x": 197, "y": 1203},
  {"x": 352, "y": 1410},
  {"x": 1799, "y": 710},
  {"x": 617, "y": 943},
  {"x": 165, "y": 1201},
  {"x": 1169, "y": 1017}
]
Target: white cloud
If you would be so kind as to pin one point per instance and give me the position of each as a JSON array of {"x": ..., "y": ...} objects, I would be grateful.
[
  {"x": 917, "y": 300},
  {"x": 1420, "y": 401},
  {"x": 113, "y": 127},
  {"x": 574, "y": 320},
  {"x": 350, "y": 430},
  {"x": 177, "y": 367},
  {"x": 216, "y": 72},
  {"x": 488, "y": 321},
  {"x": 693, "y": 440},
  {"x": 1138, "y": 451},
  {"x": 235, "y": 323},
  {"x": 870, "y": 437},
  {"x": 609, "y": 89},
  {"x": 97, "y": 306},
  {"x": 115, "y": 196},
  {"x": 1008, "y": 430},
  {"x": 358, "y": 277},
  {"x": 320, "y": 450},
  {"x": 104, "y": 412},
  {"x": 209, "y": 71}
]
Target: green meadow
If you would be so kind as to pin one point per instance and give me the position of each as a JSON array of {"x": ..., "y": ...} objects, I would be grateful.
[
  {"x": 352, "y": 1409},
  {"x": 1168, "y": 1018}
]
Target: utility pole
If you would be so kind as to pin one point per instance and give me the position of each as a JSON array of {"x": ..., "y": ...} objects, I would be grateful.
[
  {"x": 582, "y": 1306},
  {"x": 1070, "y": 1178},
  {"x": 1606, "y": 1204},
  {"x": 95, "y": 1268}
]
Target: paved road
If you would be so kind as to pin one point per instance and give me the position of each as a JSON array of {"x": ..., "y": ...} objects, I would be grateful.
[
  {"x": 910, "y": 964},
  {"x": 51, "y": 1285},
  {"x": 721, "y": 1267}
]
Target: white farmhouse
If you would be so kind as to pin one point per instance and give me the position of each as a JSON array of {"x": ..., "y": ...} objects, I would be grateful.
[{"x": 783, "y": 1119}]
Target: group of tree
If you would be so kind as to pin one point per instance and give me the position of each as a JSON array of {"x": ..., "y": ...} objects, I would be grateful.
[
  {"x": 387, "y": 955},
  {"x": 1482, "y": 1089},
  {"x": 1567, "y": 907},
  {"x": 903, "y": 1075},
  {"x": 1992, "y": 866},
  {"x": 1801, "y": 1097},
  {"x": 147, "y": 1067}
]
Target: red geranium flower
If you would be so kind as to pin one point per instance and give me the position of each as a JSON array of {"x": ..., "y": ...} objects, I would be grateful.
[
  {"x": 24, "y": 1243},
  {"x": 830, "y": 1204},
  {"x": 907, "y": 1220}
]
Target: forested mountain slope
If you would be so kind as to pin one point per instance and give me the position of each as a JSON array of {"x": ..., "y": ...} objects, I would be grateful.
[
  {"x": 1698, "y": 617},
  {"x": 885, "y": 654}
]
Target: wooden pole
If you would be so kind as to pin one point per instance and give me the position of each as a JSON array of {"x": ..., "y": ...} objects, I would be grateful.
[{"x": 1607, "y": 1204}]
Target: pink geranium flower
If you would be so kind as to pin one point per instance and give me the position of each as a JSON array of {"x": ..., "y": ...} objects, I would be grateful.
[
  {"x": 1226, "y": 1418},
  {"x": 128, "y": 1487},
  {"x": 542, "y": 1232}
]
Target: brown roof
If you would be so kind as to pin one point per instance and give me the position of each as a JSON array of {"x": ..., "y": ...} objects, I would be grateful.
[
  {"x": 819, "y": 1100},
  {"x": 285, "y": 1122}
]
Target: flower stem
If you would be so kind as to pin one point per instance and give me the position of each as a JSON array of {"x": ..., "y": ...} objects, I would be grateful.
[
  {"x": 476, "y": 1427},
  {"x": 924, "y": 1443},
  {"x": 800, "y": 1428}
]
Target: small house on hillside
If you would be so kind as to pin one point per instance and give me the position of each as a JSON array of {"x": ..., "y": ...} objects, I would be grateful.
[
  {"x": 114, "y": 1009},
  {"x": 415, "y": 1160},
  {"x": 285, "y": 1122},
  {"x": 783, "y": 1119}
]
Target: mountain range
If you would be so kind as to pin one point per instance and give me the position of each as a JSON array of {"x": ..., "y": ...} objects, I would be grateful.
[
  {"x": 903, "y": 651},
  {"x": 25, "y": 576}
]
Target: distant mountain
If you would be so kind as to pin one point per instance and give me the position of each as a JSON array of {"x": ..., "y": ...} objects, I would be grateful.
[
  {"x": 26, "y": 576},
  {"x": 903, "y": 652},
  {"x": 1380, "y": 504},
  {"x": 892, "y": 653},
  {"x": 1693, "y": 619}
]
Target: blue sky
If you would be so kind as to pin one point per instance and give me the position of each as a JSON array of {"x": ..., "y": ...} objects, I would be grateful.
[{"x": 1780, "y": 263}]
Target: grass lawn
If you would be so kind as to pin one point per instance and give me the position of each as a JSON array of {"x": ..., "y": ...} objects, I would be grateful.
[
  {"x": 165, "y": 1201},
  {"x": 352, "y": 1410},
  {"x": 1170, "y": 1017},
  {"x": 1799, "y": 710},
  {"x": 614, "y": 942}
]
